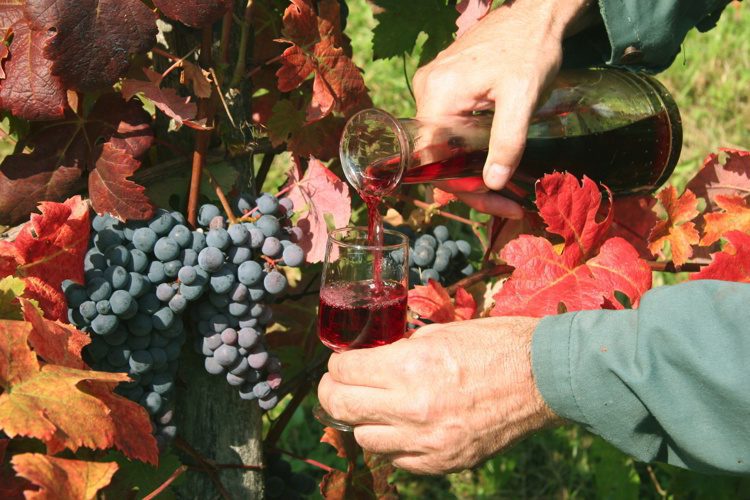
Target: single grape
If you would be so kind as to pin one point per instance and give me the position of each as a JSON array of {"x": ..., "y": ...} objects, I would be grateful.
[
  {"x": 464, "y": 247},
  {"x": 287, "y": 203},
  {"x": 117, "y": 276},
  {"x": 162, "y": 223},
  {"x": 222, "y": 281},
  {"x": 218, "y": 300},
  {"x": 267, "y": 203},
  {"x": 246, "y": 392},
  {"x": 121, "y": 302},
  {"x": 94, "y": 259},
  {"x": 238, "y": 309},
  {"x": 247, "y": 337},
  {"x": 262, "y": 389},
  {"x": 178, "y": 218},
  {"x": 178, "y": 303},
  {"x": 256, "y": 238},
  {"x": 144, "y": 239},
  {"x": 103, "y": 221},
  {"x": 210, "y": 259},
  {"x": 274, "y": 380},
  {"x": 118, "y": 255},
  {"x": 141, "y": 361},
  {"x": 75, "y": 294},
  {"x": 118, "y": 356},
  {"x": 238, "y": 292},
  {"x": 293, "y": 255},
  {"x": 268, "y": 402},
  {"x": 166, "y": 249},
  {"x": 206, "y": 213},
  {"x": 199, "y": 241},
  {"x": 269, "y": 225},
  {"x": 256, "y": 293},
  {"x": 234, "y": 380},
  {"x": 249, "y": 273},
  {"x": 441, "y": 233},
  {"x": 138, "y": 285},
  {"x": 149, "y": 304},
  {"x": 191, "y": 292},
  {"x": 138, "y": 261},
  {"x": 181, "y": 235},
  {"x": 258, "y": 357},
  {"x": 171, "y": 268},
  {"x": 266, "y": 316},
  {"x": 274, "y": 282},
  {"x": 188, "y": 257},
  {"x": 273, "y": 365},
  {"x": 229, "y": 336},
  {"x": 226, "y": 355},
  {"x": 165, "y": 292},
  {"x": 296, "y": 234},
  {"x": 428, "y": 240},
  {"x": 103, "y": 307},
  {"x": 219, "y": 323},
  {"x": 238, "y": 234},
  {"x": 98, "y": 289},
  {"x": 468, "y": 270},
  {"x": 156, "y": 272},
  {"x": 272, "y": 247},
  {"x": 238, "y": 255},
  {"x": 430, "y": 274},
  {"x": 166, "y": 416},
  {"x": 213, "y": 342},
  {"x": 163, "y": 318},
  {"x": 212, "y": 366},
  {"x": 243, "y": 203},
  {"x": 423, "y": 255},
  {"x": 107, "y": 238},
  {"x": 187, "y": 275},
  {"x": 217, "y": 222},
  {"x": 241, "y": 367},
  {"x": 152, "y": 402},
  {"x": 247, "y": 321},
  {"x": 218, "y": 238}
]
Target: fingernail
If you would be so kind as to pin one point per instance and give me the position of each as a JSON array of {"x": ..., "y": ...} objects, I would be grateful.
[{"x": 497, "y": 175}]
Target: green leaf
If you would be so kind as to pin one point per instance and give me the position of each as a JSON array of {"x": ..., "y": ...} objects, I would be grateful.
[
  {"x": 285, "y": 120},
  {"x": 10, "y": 289},
  {"x": 401, "y": 23},
  {"x": 614, "y": 473},
  {"x": 135, "y": 479},
  {"x": 162, "y": 193}
]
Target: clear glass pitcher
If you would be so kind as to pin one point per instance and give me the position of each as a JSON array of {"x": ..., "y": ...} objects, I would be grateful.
[{"x": 619, "y": 128}]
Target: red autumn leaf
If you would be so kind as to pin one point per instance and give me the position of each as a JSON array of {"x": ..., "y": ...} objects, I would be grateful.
[
  {"x": 319, "y": 139},
  {"x": 676, "y": 229},
  {"x": 110, "y": 189},
  {"x": 48, "y": 250},
  {"x": 585, "y": 272},
  {"x": 53, "y": 341},
  {"x": 432, "y": 302},
  {"x": 63, "y": 478},
  {"x": 471, "y": 12},
  {"x": 318, "y": 194},
  {"x": 731, "y": 264},
  {"x": 570, "y": 208},
  {"x": 63, "y": 151},
  {"x": 194, "y": 13},
  {"x": 633, "y": 220},
  {"x": 369, "y": 481},
  {"x": 442, "y": 198},
  {"x": 167, "y": 100},
  {"x": 10, "y": 12},
  {"x": 30, "y": 90},
  {"x": 94, "y": 39},
  {"x": 726, "y": 173},
  {"x": 12, "y": 486},
  {"x": 317, "y": 48},
  {"x": 37, "y": 401},
  {"x": 735, "y": 215},
  {"x": 466, "y": 306}
]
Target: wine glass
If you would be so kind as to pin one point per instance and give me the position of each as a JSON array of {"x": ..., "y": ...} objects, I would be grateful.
[{"x": 362, "y": 295}]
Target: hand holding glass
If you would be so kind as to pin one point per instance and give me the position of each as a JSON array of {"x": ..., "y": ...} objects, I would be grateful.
[{"x": 363, "y": 295}]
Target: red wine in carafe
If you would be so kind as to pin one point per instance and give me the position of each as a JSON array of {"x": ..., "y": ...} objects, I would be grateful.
[
  {"x": 629, "y": 159},
  {"x": 351, "y": 316}
]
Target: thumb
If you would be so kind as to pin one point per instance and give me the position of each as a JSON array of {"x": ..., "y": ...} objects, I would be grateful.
[{"x": 510, "y": 124}]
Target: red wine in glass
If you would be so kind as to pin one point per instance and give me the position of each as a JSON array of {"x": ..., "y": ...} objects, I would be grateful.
[{"x": 361, "y": 314}]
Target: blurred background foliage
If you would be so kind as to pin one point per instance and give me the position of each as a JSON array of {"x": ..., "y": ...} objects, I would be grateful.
[{"x": 711, "y": 83}]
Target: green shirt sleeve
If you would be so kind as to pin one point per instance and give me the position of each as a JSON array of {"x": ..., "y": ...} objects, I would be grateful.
[
  {"x": 641, "y": 34},
  {"x": 669, "y": 381}
]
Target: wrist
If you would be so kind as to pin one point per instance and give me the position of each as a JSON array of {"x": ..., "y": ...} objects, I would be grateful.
[{"x": 561, "y": 18}]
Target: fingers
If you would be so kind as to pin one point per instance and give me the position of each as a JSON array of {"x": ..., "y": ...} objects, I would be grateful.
[
  {"x": 355, "y": 404},
  {"x": 514, "y": 105},
  {"x": 373, "y": 367},
  {"x": 493, "y": 204}
]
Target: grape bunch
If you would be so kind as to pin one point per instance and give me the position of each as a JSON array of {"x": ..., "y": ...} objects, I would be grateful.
[
  {"x": 135, "y": 324},
  {"x": 434, "y": 255},
  {"x": 282, "y": 482},
  {"x": 244, "y": 279}
]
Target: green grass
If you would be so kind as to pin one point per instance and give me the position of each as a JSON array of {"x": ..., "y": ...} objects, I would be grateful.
[{"x": 711, "y": 83}]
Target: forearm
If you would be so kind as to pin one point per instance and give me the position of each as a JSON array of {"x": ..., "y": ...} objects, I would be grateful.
[{"x": 666, "y": 382}]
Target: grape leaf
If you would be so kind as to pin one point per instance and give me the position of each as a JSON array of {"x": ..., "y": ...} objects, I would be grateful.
[
  {"x": 471, "y": 11},
  {"x": 584, "y": 272},
  {"x": 194, "y": 13},
  {"x": 400, "y": 23},
  {"x": 319, "y": 139},
  {"x": 284, "y": 120},
  {"x": 731, "y": 264},
  {"x": 319, "y": 193},
  {"x": 570, "y": 208},
  {"x": 63, "y": 151},
  {"x": 179, "y": 108},
  {"x": 11, "y": 289},
  {"x": 725, "y": 173},
  {"x": 10, "y": 12},
  {"x": 63, "y": 478},
  {"x": 316, "y": 48},
  {"x": 433, "y": 303},
  {"x": 94, "y": 39},
  {"x": 110, "y": 189},
  {"x": 48, "y": 250},
  {"x": 37, "y": 402},
  {"x": 368, "y": 481},
  {"x": 11, "y": 485},
  {"x": 735, "y": 215},
  {"x": 30, "y": 90},
  {"x": 53, "y": 341},
  {"x": 633, "y": 220},
  {"x": 676, "y": 229},
  {"x": 198, "y": 77}
]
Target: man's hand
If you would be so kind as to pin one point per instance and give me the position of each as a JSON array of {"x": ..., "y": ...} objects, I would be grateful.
[
  {"x": 443, "y": 400},
  {"x": 504, "y": 63}
]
